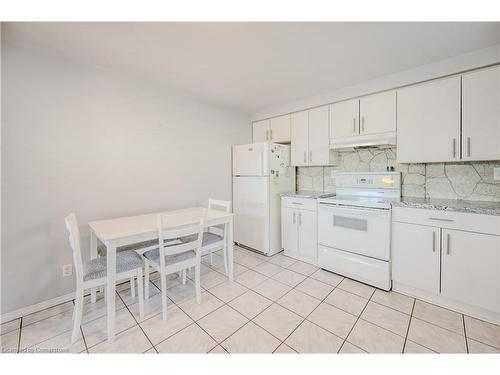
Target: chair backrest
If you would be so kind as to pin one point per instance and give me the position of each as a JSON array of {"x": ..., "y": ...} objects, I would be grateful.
[
  {"x": 215, "y": 204},
  {"x": 186, "y": 225},
  {"x": 74, "y": 242}
]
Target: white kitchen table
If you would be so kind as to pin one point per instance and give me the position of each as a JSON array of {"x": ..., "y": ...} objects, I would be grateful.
[{"x": 114, "y": 233}]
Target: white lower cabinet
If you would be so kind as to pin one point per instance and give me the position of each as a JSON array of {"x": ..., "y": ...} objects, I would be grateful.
[
  {"x": 299, "y": 236},
  {"x": 471, "y": 268},
  {"x": 415, "y": 254},
  {"x": 440, "y": 257},
  {"x": 308, "y": 242},
  {"x": 289, "y": 233}
]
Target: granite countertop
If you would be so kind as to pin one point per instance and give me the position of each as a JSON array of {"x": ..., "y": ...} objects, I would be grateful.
[
  {"x": 307, "y": 194},
  {"x": 475, "y": 207}
]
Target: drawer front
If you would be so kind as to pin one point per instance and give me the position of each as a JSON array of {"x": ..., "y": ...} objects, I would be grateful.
[
  {"x": 367, "y": 270},
  {"x": 300, "y": 203},
  {"x": 450, "y": 220}
]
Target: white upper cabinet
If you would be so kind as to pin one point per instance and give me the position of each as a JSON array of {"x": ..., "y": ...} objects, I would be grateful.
[
  {"x": 310, "y": 142},
  {"x": 319, "y": 151},
  {"x": 261, "y": 131},
  {"x": 344, "y": 119},
  {"x": 275, "y": 130},
  {"x": 378, "y": 113},
  {"x": 300, "y": 138},
  {"x": 280, "y": 129},
  {"x": 428, "y": 122},
  {"x": 481, "y": 115}
]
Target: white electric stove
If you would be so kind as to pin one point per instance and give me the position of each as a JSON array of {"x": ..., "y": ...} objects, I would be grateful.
[{"x": 354, "y": 227}]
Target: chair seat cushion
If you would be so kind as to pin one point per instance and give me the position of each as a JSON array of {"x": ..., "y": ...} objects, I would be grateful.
[
  {"x": 208, "y": 238},
  {"x": 135, "y": 246},
  {"x": 154, "y": 256},
  {"x": 125, "y": 261}
]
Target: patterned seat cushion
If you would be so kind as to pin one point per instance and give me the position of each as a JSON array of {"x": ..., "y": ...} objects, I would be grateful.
[
  {"x": 154, "y": 256},
  {"x": 125, "y": 261},
  {"x": 135, "y": 246},
  {"x": 208, "y": 238}
]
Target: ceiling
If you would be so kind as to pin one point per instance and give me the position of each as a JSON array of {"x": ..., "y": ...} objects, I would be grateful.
[{"x": 252, "y": 66}]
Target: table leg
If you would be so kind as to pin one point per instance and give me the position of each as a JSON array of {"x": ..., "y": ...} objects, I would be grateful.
[
  {"x": 230, "y": 263},
  {"x": 111, "y": 289},
  {"x": 93, "y": 255}
]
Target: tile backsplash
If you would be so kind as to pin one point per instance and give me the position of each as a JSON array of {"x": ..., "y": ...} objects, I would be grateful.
[{"x": 463, "y": 180}]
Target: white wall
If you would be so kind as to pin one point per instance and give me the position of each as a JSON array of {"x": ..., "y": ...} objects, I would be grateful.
[
  {"x": 84, "y": 140},
  {"x": 472, "y": 60}
]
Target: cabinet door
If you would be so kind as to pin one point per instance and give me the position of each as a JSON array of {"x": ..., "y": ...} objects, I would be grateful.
[
  {"x": 289, "y": 220},
  {"x": 471, "y": 268},
  {"x": 378, "y": 113},
  {"x": 300, "y": 138},
  {"x": 428, "y": 117},
  {"x": 319, "y": 150},
  {"x": 415, "y": 256},
  {"x": 261, "y": 131},
  {"x": 481, "y": 115},
  {"x": 344, "y": 119},
  {"x": 308, "y": 237},
  {"x": 280, "y": 129}
]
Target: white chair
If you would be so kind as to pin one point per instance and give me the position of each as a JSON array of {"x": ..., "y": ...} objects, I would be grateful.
[
  {"x": 214, "y": 239},
  {"x": 93, "y": 273},
  {"x": 173, "y": 255}
]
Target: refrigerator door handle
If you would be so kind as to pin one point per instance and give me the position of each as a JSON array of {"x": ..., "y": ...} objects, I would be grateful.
[{"x": 261, "y": 155}]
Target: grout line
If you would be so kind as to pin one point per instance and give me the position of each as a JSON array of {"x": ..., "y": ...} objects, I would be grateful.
[
  {"x": 409, "y": 323},
  {"x": 20, "y": 334},
  {"x": 133, "y": 317},
  {"x": 356, "y": 322},
  {"x": 465, "y": 334}
]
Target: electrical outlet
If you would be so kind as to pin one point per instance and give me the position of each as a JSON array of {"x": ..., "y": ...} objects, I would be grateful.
[
  {"x": 67, "y": 270},
  {"x": 496, "y": 174}
]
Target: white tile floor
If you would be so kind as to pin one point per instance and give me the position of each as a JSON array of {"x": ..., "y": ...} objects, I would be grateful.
[{"x": 275, "y": 305}]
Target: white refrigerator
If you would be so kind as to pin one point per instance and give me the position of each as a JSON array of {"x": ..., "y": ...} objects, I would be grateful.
[{"x": 261, "y": 171}]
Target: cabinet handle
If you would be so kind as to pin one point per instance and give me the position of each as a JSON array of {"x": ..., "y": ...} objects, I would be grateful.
[
  {"x": 454, "y": 147},
  {"x": 363, "y": 123},
  {"x": 267, "y": 135},
  {"x": 439, "y": 219},
  {"x": 448, "y": 244},
  {"x": 293, "y": 217},
  {"x": 271, "y": 135},
  {"x": 433, "y": 241},
  {"x": 300, "y": 218},
  {"x": 468, "y": 146},
  {"x": 310, "y": 156},
  {"x": 305, "y": 158},
  {"x": 354, "y": 125}
]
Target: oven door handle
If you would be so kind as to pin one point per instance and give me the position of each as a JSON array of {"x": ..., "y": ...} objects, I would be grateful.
[{"x": 335, "y": 206}]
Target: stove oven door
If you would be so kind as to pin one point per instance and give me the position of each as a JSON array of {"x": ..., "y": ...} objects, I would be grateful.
[{"x": 359, "y": 230}]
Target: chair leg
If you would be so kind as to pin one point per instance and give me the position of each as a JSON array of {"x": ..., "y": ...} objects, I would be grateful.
[
  {"x": 78, "y": 310},
  {"x": 184, "y": 273},
  {"x": 140, "y": 292},
  {"x": 224, "y": 252},
  {"x": 104, "y": 294},
  {"x": 146, "y": 279},
  {"x": 164, "y": 295},
  {"x": 197, "y": 271},
  {"x": 132, "y": 287}
]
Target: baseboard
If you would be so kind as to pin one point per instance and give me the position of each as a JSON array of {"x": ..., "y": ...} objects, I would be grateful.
[{"x": 36, "y": 307}]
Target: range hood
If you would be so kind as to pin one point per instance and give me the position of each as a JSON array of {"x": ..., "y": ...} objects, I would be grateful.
[{"x": 381, "y": 140}]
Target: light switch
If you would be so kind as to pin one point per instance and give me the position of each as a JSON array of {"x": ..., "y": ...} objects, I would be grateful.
[{"x": 496, "y": 174}]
